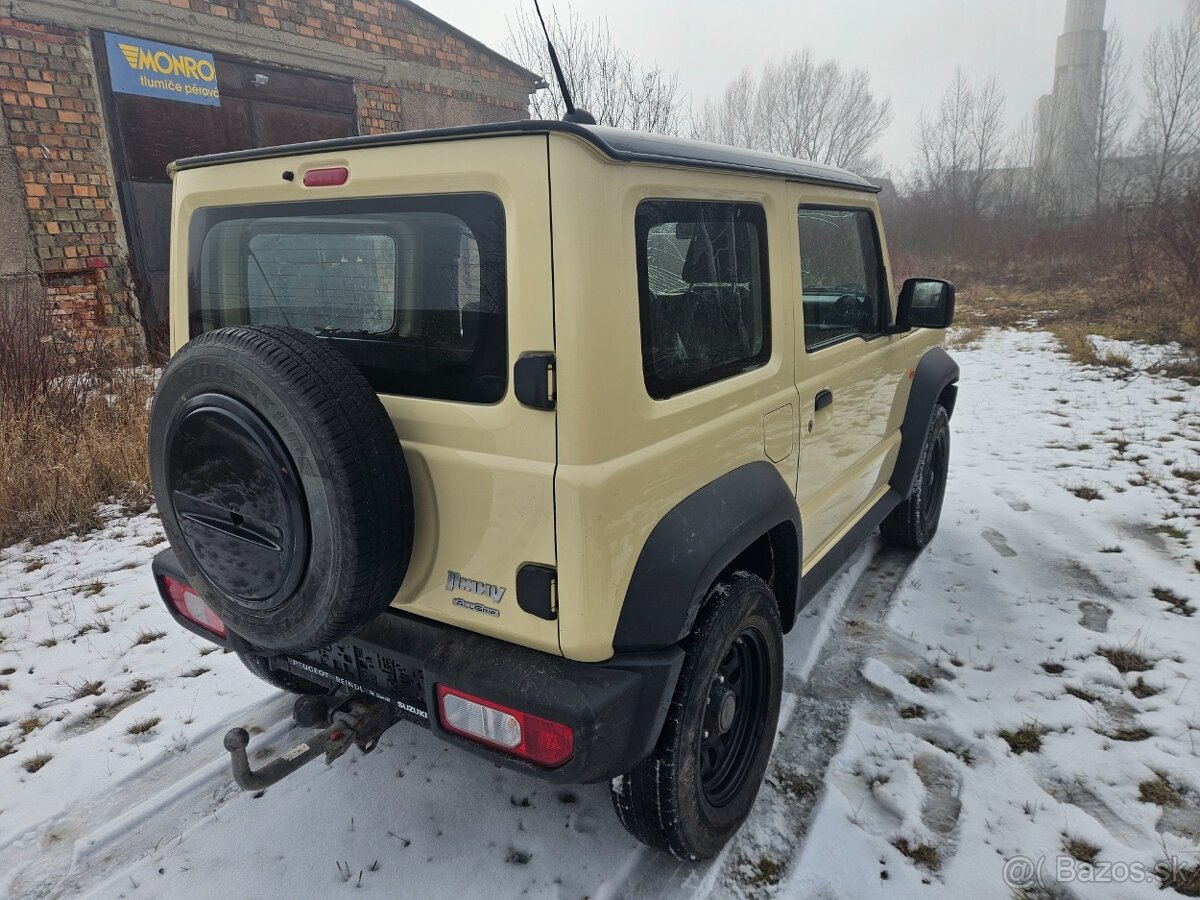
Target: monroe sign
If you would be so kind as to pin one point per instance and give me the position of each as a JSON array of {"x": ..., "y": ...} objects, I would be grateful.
[{"x": 138, "y": 66}]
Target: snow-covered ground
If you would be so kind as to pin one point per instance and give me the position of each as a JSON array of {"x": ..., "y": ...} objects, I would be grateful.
[{"x": 1070, "y": 530}]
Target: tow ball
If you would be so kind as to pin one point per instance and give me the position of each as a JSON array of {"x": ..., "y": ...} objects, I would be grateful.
[{"x": 359, "y": 720}]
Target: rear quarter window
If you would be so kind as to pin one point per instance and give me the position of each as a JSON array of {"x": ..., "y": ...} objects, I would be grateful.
[
  {"x": 413, "y": 290},
  {"x": 703, "y": 292}
]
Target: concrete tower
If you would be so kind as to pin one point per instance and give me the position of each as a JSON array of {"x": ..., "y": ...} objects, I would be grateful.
[{"x": 1067, "y": 117}]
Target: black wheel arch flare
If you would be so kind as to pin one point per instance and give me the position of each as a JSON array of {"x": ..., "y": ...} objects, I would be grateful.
[
  {"x": 694, "y": 543},
  {"x": 705, "y": 532},
  {"x": 936, "y": 380}
]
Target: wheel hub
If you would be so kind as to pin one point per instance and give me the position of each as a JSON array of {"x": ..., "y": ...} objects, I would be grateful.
[{"x": 722, "y": 707}]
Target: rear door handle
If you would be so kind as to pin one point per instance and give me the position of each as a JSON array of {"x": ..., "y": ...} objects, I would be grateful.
[{"x": 824, "y": 398}]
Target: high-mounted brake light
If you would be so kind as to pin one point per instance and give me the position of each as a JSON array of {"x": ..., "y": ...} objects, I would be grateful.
[
  {"x": 326, "y": 177},
  {"x": 528, "y": 736},
  {"x": 191, "y": 605}
]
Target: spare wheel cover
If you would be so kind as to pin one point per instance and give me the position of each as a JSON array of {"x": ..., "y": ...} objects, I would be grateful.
[{"x": 281, "y": 485}]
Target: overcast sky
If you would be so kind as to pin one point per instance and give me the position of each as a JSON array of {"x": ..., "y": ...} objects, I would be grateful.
[{"x": 910, "y": 47}]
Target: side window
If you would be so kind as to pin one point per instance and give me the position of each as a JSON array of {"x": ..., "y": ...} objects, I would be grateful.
[
  {"x": 703, "y": 292},
  {"x": 842, "y": 271}
]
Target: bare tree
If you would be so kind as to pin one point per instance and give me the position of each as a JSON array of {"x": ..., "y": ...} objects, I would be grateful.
[
  {"x": 800, "y": 107},
  {"x": 732, "y": 118},
  {"x": 604, "y": 79},
  {"x": 1113, "y": 111},
  {"x": 1171, "y": 74},
  {"x": 960, "y": 148},
  {"x": 986, "y": 140}
]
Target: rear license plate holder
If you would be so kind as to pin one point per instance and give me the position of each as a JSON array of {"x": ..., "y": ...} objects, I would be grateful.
[{"x": 369, "y": 669}]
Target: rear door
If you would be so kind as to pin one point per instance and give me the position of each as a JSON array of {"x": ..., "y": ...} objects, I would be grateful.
[
  {"x": 430, "y": 269},
  {"x": 843, "y": 363}
]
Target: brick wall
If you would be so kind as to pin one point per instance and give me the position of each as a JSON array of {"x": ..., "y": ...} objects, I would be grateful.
[
  {"x": 387, "y": 27},
  {"x": 51, "y": 105},
  {"x": 49, "y": 99},
  {"x": 382, "y": 108}
]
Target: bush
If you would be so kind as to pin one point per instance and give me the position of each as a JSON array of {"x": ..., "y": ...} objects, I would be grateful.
[
  {"x": 72, "y": 427},
  {"x": 1132, "y": 274}
]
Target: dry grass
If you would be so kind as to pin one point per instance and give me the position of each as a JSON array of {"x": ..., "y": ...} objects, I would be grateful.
[
  {"x": 1175, "y": 603},
  {"x": 146, "y": 636},
  {"x": 1073, "y": 291},
  {"x": 1184, "y": 879},
  {"x": 924, "y": 855},
  {"x": 142, "y": 726},
  {"x": 1085, "y": 492},
  {"x": 72, "y": 429},
  {"x": 87, "y": 689},
  {"x": 1130, "y": 734},
  {"x": 795, "y": 784},
  {"x": 1126, "y": 659},
  {"x": 760, "y": 873},
  {"x": 35, "y": 763},
  {"x": 1160, "y": 792},
  {"x": 1026, "y": 739},
  {"x": 1180, "y": 534},
  {"x": 921, "y": 681},
  {"x": 1081, "y": 850},
  {"x": 1141, "y": 690}
]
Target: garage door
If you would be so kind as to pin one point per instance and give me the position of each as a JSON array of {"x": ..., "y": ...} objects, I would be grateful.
[{"x": 149, "y": 126}]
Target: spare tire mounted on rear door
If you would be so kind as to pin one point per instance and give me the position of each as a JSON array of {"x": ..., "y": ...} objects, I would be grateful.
[{"x": 281, "y": 485}]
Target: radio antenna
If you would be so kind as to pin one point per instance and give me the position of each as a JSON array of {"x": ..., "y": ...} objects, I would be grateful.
[{"x": 579, "y": 116}]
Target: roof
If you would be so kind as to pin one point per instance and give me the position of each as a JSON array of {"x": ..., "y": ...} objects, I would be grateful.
[{"x": 615, "y": 143}]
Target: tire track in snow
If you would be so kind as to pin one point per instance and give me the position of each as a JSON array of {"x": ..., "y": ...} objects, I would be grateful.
[
  {"x": 108, "y": 833},
  {"x": 67, "y": 854}
]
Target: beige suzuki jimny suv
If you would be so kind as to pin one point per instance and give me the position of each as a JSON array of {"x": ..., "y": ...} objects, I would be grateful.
[{"x": 537, "y": 435}]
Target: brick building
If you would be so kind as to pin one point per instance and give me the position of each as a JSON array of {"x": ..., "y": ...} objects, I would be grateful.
[{"x": 99, "y": 95}]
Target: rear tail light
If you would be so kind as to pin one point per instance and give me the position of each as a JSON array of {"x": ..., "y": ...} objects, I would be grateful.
[
  {"x": 191, "y": 605},
  {"x": 530, "y": 737},
  {"x": 326, "y": 177}
]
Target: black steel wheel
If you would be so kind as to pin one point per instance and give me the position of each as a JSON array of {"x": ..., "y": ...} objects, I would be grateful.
[
  {"x": 690, "y": 796},
  {"x": 933, "y": 488},
  {"x": 737, "y": 700},
  {"x": 915, "y": 521}
]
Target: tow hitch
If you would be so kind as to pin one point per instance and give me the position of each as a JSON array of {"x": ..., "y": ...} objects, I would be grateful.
[{"x": 358, "y": 720}]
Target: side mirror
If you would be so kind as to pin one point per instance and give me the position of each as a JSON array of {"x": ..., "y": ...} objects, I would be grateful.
[{"x": 925, "y": 303}]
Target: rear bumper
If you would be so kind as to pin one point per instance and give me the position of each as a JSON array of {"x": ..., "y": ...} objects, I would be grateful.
[{"x": 615, "y": 708}]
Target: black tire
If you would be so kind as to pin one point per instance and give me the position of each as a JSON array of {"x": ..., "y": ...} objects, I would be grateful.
[
  {"x": 686, "y": 798},
  {"x": 914, "y": 522},
  {"x": 285, "y": 681},
  {"x": 281, "y": 485}
]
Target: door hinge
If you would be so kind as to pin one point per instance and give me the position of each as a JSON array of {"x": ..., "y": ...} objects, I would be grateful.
[{"x": 533, "y": 380}]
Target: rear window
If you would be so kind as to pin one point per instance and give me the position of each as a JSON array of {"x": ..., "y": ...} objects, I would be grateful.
[{"x": 411, "y": 289}]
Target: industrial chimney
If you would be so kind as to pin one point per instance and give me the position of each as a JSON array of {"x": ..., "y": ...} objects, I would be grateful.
[{"x": 1067, "y": 117}]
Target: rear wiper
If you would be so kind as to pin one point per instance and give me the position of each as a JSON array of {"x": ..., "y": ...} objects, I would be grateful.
[{"x": 267, "y": 282}]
